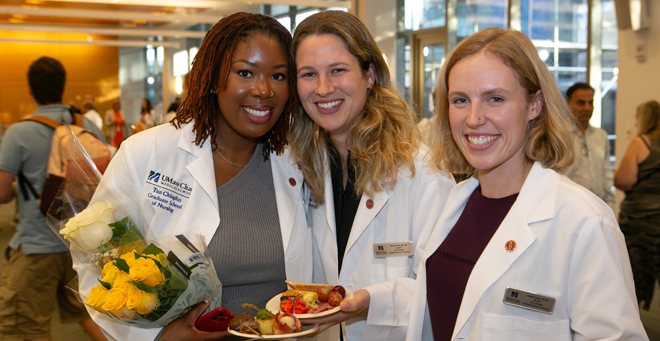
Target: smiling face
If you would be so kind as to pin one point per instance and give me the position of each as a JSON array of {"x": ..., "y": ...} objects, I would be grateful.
[
  {"x": 257, "y": 89},
  {"x": 331, "y": 84},
  {"x": 489, "y": 114}
]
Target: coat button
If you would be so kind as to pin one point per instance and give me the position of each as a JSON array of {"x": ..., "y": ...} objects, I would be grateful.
[
  {"x": 292, "y": 181},
  {"x": 510, "y": 245},
  {"x": 370, "y": 204}
]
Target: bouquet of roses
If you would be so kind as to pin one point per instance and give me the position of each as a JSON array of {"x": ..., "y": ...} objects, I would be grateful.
[{"x": 127, "y": 277}]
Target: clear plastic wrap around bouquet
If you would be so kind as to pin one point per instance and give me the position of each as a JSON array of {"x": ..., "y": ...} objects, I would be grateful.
[{"x": 129, "y": 278}]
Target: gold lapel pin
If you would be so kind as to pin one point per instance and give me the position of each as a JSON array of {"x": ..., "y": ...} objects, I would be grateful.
[{"x": 510, "y": 245}]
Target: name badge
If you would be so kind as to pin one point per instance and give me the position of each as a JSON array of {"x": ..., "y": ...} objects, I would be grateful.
[
  {"x": 529, "y": 300},
  {"x": 383, "y": 250}
]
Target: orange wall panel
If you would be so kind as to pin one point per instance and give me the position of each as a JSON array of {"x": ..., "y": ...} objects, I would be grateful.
[{"x": 90, "y": 70}]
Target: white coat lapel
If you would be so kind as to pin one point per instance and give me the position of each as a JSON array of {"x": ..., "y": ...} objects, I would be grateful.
[
  {"x": 534, "y": 203},
  {"x": 494, "y": 262},
  {"x": 287, "y": 192},
  {"x": 367, "y": 211},
  {"x": 201, "y": 169}
]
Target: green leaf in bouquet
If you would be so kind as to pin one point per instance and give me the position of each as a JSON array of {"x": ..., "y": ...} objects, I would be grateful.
[
  {"x": 118, "y": 232},
  {"x": 121, "y": 265},
  {"x": 105, "y": 284},
  {"x": 146, "y": 288},
  {"x": 152, "y": 250},
  {"x": 131, "y": 235}
]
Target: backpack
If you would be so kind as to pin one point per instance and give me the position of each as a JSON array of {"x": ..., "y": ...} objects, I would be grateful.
[{"x": 61, "y": 156}]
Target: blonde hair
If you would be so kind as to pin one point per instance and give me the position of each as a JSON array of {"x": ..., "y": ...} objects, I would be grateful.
[
  {"x": 648, "y": 115},
  {"x": 383, "y": 140},
  {"x": 550, "y": 140}
]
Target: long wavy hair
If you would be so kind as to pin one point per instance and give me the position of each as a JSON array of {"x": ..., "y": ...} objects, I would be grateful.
[
  {"x": 384, "y": 139},
  {"x": 211, "y": 68},
  {"x": 648, "y": 118},
  {"x": 550, "y": 139}
]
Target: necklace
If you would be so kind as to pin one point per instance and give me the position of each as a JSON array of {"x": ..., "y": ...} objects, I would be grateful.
[{"x": 229, "y": 162}]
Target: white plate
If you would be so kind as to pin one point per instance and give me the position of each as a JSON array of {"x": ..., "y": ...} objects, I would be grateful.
[
  {"x": 274, "y": 306},
  {"x": 308, "y": 331}
]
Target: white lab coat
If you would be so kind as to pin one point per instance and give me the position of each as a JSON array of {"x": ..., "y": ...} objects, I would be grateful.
[
  {"x": 172, "y": 153},
  {"x": 569, "y": 247},
  {"x": 398, "y": 215}
]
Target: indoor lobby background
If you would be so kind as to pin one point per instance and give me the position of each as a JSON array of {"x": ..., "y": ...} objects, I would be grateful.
[{"x": 128, "y": 50}]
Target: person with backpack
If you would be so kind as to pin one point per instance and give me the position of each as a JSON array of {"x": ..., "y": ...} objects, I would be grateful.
[{"x": 37, "y": 265}]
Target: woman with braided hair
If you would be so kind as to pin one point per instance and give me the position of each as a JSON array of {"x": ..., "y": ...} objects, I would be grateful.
[{"x": 223, "y": 159}]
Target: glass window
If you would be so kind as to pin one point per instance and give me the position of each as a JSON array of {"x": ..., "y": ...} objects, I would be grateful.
[
  {"x": 403, "y": 75},
  {"x": 276, "y": 10},
  {"x": 286, "y": 22},
  {"x": 572, "y": 58},
  {"x": 609, "y": 69},
  {"x": 547, "y": 55},
  {"x": 541, "y": 17},
  {"x": 422, "y": 14},
  {"x": 434, "y": 56},
  {"x": 476, "y": 15},
  {"x": 567, "y": 78}
]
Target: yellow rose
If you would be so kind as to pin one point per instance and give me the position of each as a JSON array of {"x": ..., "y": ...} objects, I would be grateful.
[
  {"x": 120, "y": 279},
  {"x": 159, "y": 257},
  {"x": 123, "y": 313},
  {"x": 141, "y": 301},
  {"x": 129, "y": 257},
  {"x": 145, "y": 271},
  {"x": 89, "y": 229},
  {"x": 96, "y": 298},
  {"x": 115, "y": 299},
  {"x": 110, "y": 272}
]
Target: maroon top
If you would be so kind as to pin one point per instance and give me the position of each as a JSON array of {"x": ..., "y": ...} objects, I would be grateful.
[{"x": 448, "y": 269}]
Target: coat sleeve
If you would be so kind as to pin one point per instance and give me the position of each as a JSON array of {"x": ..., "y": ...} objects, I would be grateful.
[
  {"x": 601, "y": 301},
  {"x": 391, "y": 302},
  {"x": 119, "y": 174}
]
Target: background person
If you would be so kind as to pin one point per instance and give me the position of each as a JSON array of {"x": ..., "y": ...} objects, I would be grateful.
[
  {"x": 639, "y": 216},
  {"x": 37, "y": 265},
  {"x": 592, "y": 167},
  {"x": 516, "y": 230},
  {"x": 89, "y": 112},
  {"x": 116, "y": 129},
  {"x": 360, "y": 153},
  {"x": 227, "y": 145},
  {"x": 147, "y": 113}
]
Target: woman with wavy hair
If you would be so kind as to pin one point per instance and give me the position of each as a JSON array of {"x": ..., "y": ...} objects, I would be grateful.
[
  {"x": 521, "y": 252},
  {"x": 639, "y": 216},
  {"x": 225, "y": 150},
  {"x": 356, "y": 143}
]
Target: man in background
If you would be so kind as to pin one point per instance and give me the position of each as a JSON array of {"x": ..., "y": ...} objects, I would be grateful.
[
  {"x": 37, "y": 264},
  {"x": 592, "y": 167},
  {"x": 90, "y": 113}
]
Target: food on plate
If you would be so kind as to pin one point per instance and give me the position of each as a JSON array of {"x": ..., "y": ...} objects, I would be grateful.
[
  {"x": 323, "y": 294},
  {"x": 310, "y": 298},
  {"x": 340, "y": 290},
  {"x": 334, "y": 299},
  {"x": 265, "y": 323},
  {"x": 245, "y": 324},
  {"x": 307, "y": 286}
]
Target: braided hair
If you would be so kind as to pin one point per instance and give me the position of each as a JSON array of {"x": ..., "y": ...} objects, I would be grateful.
[{"x": 211, "y": 67}]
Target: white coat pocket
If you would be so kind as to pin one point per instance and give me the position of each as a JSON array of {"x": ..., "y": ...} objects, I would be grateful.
[{"x": 513, "y": 328}]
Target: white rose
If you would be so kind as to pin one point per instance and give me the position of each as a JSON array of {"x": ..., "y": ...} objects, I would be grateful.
[{"x": 89, "y": 229}]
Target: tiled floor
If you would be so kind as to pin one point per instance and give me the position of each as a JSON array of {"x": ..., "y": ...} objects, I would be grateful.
[{"x": 73, "y": 332}]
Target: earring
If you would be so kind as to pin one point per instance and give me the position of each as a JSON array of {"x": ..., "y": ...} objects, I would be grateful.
[{"x": 213, "y": 92}]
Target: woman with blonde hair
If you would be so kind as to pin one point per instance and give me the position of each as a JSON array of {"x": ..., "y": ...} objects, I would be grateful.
[
  {"x": 520, "y": 252},
  {"x": 356, "y": 143},
  {"x": 639, "y": 216}
]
